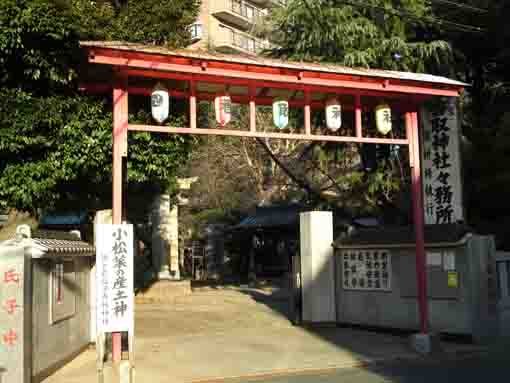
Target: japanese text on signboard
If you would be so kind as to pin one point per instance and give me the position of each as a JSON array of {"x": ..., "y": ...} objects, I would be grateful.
[
  {"x": 114, "y": 278},
  {"x": 366, "y": 270},
  {"x": 441, "y": 167}
]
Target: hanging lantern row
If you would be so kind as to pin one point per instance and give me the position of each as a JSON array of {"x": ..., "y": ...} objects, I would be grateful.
[
  {"x": 333, "y": 114},
  {"x": 280, "y": 113},
  {"x": 160, "y": 103},
  {"x": 160, "y": 106},
  {"x": 383, "y": 118},
  {"x": 223, "y": 109}
]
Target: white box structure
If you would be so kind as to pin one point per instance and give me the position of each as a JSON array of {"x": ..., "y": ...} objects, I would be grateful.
[{"x": 317, "y": 267}]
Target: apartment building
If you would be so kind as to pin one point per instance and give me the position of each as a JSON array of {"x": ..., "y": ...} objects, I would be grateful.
[{"x": 226, "y": 25}]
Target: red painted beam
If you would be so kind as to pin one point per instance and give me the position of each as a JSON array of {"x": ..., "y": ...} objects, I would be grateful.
[
  {"x": 120, "y": 127},
  {"x": 412, "y": 134},
  {"x": 272, "y": 135},
  {"x": 267, "y": 84},
  {"x": 130, "y": 60}
]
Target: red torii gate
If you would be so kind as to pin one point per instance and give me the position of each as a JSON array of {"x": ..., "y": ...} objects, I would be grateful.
[{"x": 133, "y": 61}]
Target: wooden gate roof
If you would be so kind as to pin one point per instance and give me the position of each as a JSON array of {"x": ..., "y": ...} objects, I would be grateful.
[{"x": 140, "y": 60}]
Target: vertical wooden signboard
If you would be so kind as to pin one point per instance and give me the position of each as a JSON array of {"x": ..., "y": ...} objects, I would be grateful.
[{"x": 114, "y": 284}]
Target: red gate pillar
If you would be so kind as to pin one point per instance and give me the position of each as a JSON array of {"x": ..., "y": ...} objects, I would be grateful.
[
  {"x": 119, "y": 147},
  {"x": 411, "y": 119}
]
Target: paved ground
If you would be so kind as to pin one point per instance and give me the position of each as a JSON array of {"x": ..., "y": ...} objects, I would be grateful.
[
  {"x": 230, "y": 332},
  {"x": 475, "y": 369}
]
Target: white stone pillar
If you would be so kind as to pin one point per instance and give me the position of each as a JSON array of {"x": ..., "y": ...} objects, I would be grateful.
[{"x": 317, "y": 267}]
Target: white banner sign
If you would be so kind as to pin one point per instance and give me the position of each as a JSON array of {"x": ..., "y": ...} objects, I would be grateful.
[
  {"x": 114, "y": 278},
  {"x": 441, "y": 169}
]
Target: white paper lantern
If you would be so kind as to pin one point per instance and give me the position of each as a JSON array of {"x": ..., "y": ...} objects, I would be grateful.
[
  {"x": 223, "y": 109},
  {"x": 383, "y": 118},
  {"x": 160, "y": 103},
  {"x": 333, "y": 114},
  {"x": 280, "y": 113}
]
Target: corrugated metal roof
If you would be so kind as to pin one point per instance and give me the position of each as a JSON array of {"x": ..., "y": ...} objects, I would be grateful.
[
  {"x": 76, "y": 218},
  {"x": 403, "y": 235},
  {"x": 263, "y": 61}
]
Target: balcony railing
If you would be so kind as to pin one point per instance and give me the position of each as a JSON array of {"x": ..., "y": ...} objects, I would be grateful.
[
  {"x": 267, "y": 3},
  {"x": 244, "y": 9},
  {"x": 240, "y": 41},
  {"x": 237, "y": 12}
]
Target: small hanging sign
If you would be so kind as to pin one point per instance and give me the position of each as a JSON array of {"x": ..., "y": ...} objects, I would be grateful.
[
  {"x": 160, "y": 103},
  {"x": 280, "y": 113},
  {"x": 223, "y": 109},
  {"x": 434, "y": 259},
  {"x": 333, "y": 114},
  {"x": 383, "y": 118},
  {"x": 449, "y": 261},
  {"x": 453, "y": 279}
]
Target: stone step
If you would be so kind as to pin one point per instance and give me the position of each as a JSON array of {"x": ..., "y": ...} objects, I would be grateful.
[{"x": 164, "y": 292}]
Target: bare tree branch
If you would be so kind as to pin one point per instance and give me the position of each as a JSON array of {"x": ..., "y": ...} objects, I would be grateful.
[{"x": 303, "y": 183}]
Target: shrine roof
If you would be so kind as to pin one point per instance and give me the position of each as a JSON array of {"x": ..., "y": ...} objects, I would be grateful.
[
  {"x": 272, "y": 63},
  {"x": 272, "y": 217}
]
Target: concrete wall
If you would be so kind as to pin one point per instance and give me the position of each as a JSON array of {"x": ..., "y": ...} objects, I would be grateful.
[
  {"x": 502, "y": 276},
  {"x": 460, "y": 310},
  {"x": 56, "y": 343},
  {"x": 317, "y": 266}
]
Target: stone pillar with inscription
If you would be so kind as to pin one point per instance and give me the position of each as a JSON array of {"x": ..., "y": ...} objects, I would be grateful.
[
  {"x": 174, "y": 242},
  {"x": 441, "y": 170},
  {"x": 161, "y": 236}
]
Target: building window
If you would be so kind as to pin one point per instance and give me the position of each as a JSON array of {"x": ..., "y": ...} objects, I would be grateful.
[
  {"x": 63, "y": 289},
  {"x": 196, "y": 31},
  {"x": 237, "y": 7},
  {"x": 366, "y": 270},
  {"x": 250, "y": 12},
  {"x": 252, "y": 45}
]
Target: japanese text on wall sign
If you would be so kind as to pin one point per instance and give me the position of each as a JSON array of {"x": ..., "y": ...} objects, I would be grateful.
[
  {"x": 114, "y": 277},
  {"x": 10, "y": 276},
  {"x": 366, "y": 270},
  {"x": 12, "y": 266}
]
